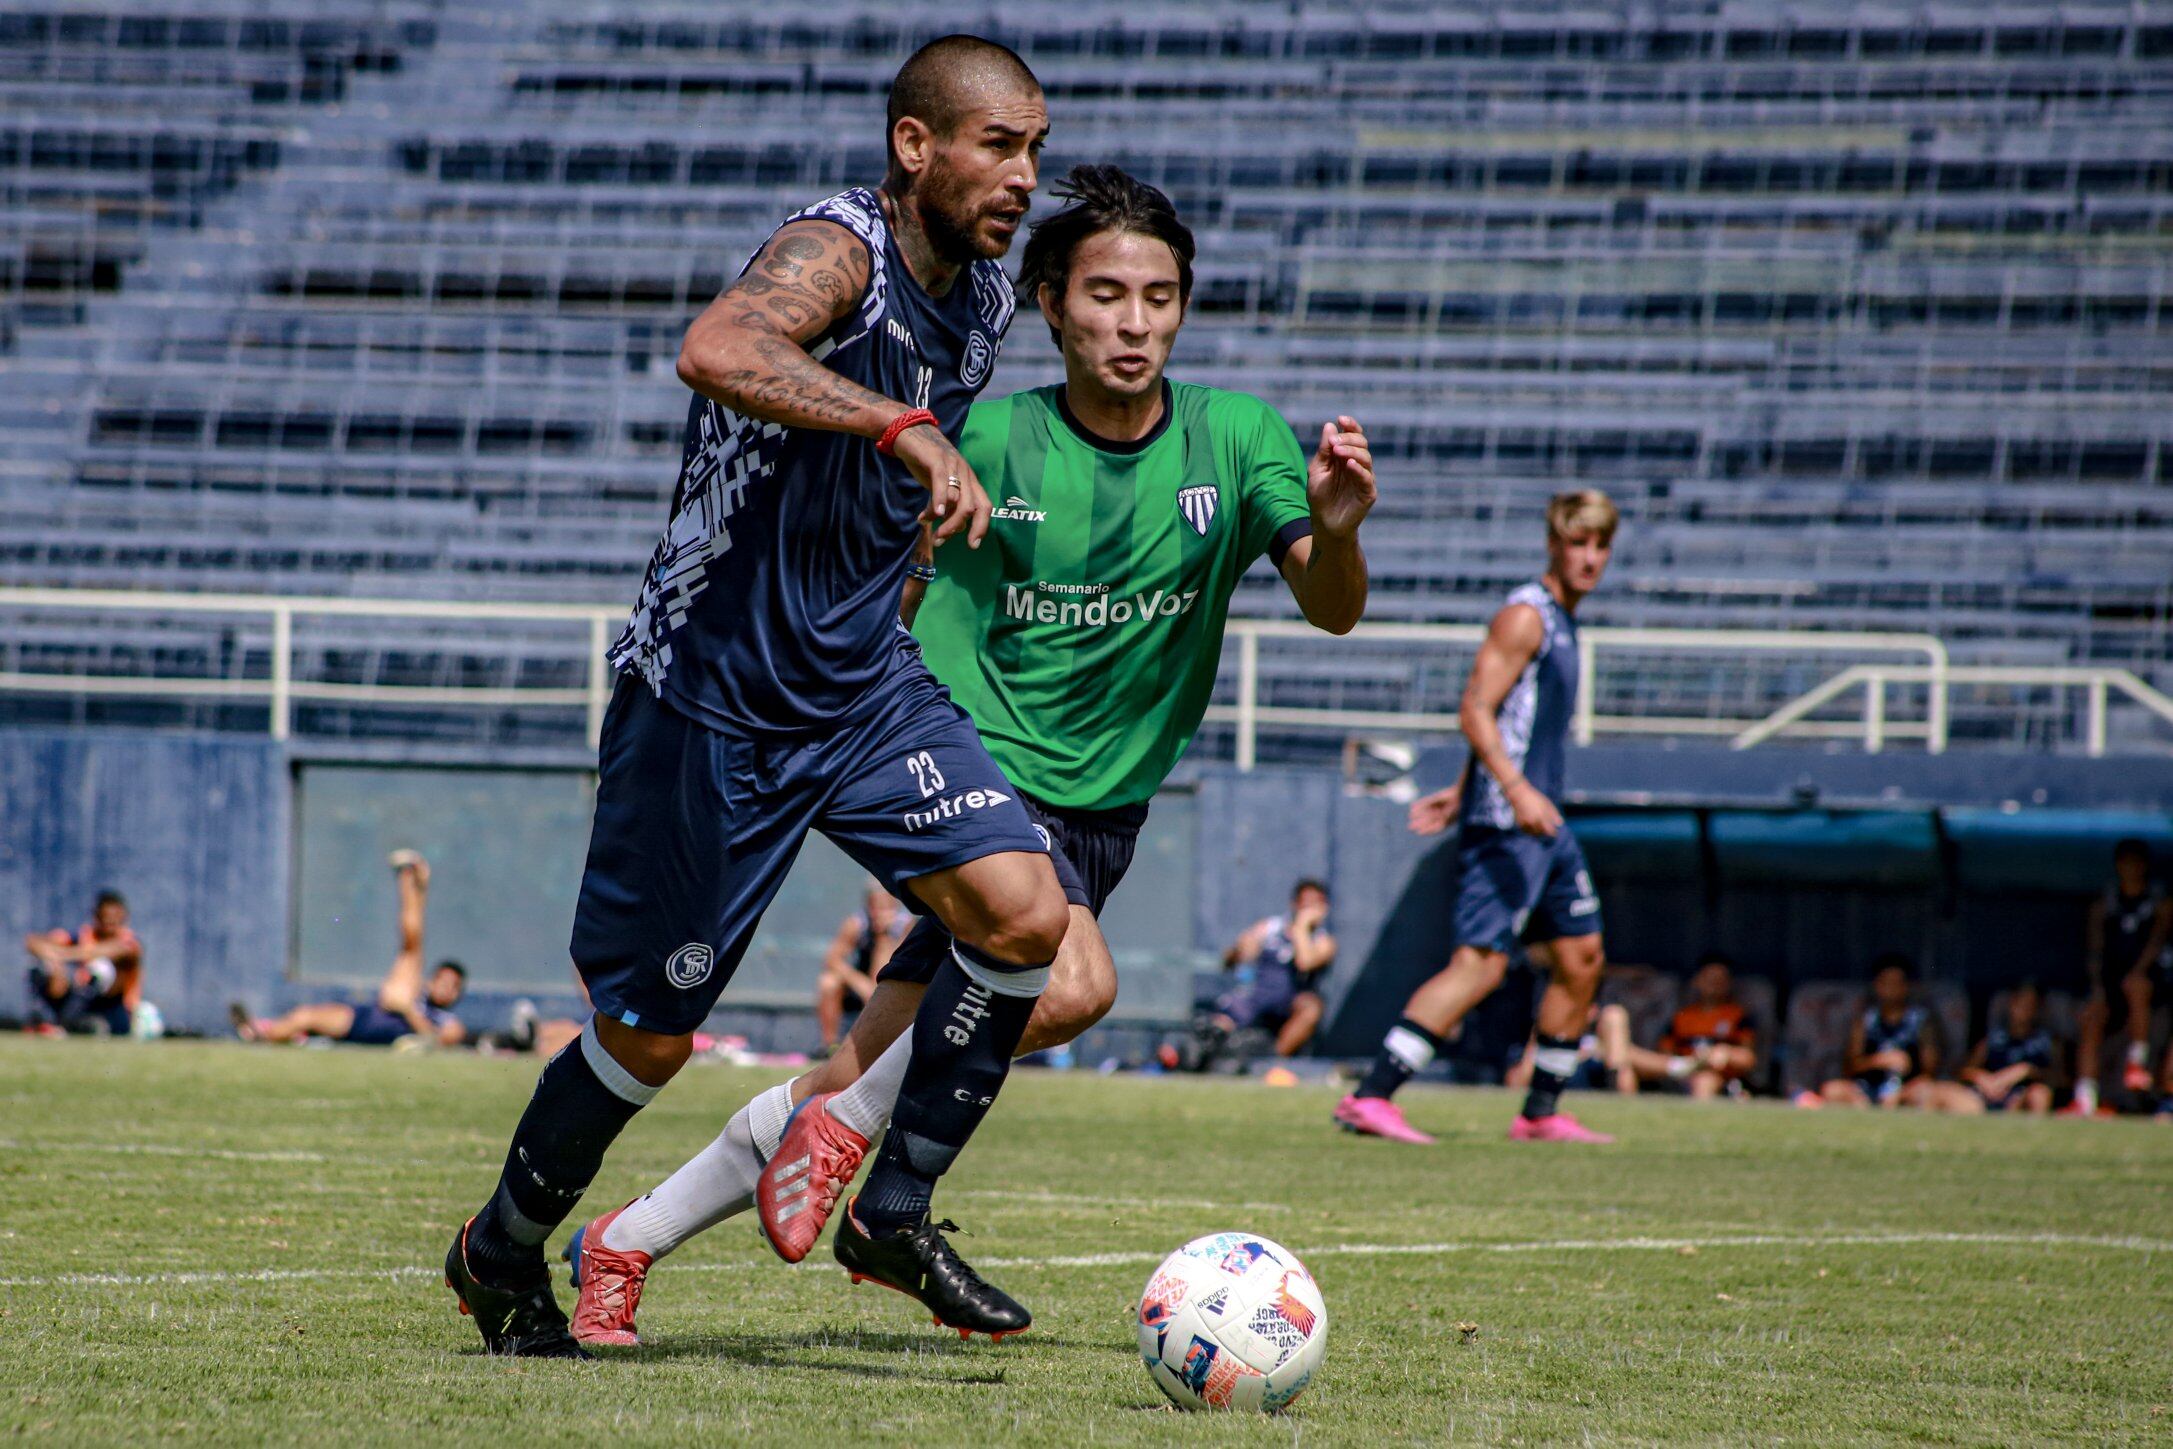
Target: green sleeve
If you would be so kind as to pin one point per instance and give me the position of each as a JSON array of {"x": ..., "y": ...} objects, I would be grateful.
[
  {"x": 1270, "y": 481},
  {"x": 982, "y": 441}
]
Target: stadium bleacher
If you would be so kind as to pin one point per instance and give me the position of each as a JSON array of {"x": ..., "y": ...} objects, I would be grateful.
[{"x": 1861, "y": 310}]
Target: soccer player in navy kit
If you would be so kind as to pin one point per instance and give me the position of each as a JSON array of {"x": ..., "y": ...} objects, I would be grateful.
[
  {"x": 766, "y": 689},
  {"x": 1523, "y": 874}
]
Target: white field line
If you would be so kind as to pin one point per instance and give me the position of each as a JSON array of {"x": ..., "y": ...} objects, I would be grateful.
[
  {"x": 160, "y": 1149},
  {"x": 1112, "y": 1260}
]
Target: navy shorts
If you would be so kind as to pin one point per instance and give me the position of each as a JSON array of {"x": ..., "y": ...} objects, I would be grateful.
[
  {"x": 695, "y": 830},
  {"x": 1516, "y": 886},
  {"x": 1264, "y": 1002},
  {"x": 1091, "y": 850},
  {"x": 375, "y": 1026}
]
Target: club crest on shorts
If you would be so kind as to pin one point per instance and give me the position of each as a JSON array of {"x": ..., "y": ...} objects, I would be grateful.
[
  {"x": 690, "y": 965},
  {"x": 1197, "y": 504}
]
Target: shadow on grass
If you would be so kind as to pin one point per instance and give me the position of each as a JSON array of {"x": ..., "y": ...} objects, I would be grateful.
[{"x": 931, "y": 1357}]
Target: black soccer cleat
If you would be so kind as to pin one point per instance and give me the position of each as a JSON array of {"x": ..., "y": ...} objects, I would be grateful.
[
  {"x": 922, "y": 1264},
  {"x": 524, "y": 1322}
]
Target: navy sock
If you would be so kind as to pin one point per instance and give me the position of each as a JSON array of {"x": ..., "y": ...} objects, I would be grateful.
[
  {"x": 1406, "y": 1050},
  {"x": 964, "y": 1035},
  {"x": 582, "y": 1101},
  {"x": 1554, "y": 1062}
]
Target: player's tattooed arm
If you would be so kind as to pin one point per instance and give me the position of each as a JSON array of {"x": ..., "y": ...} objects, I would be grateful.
[{"x": 748, "y": 351}]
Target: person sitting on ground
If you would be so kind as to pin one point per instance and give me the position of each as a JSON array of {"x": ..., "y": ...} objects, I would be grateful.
[
  {"x": 2011, "y": 1069},
  {"x": 404, "y": 1006},
  {"x": 1893, "y": 1052},
  {"x": 1709, "y": 1046},
  {"x": 858, "y": 952},
  {"x": 2130, "y": 947},
  {"x": 1275, "y": 962},
  {"x": 1286, "y": 954},
  {"x": 89, "y": 979}
]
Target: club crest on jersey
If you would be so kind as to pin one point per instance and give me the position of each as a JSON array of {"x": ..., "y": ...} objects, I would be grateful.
[
  {"x": 1197, "y": 504},
  {"x": 980, "y": 353}
]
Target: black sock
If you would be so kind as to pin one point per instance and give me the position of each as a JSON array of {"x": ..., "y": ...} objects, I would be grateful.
[
  {"x": 1406, "y": 1050},
  {"x": 1554, "y": 1062},
  {"x": 582, "y": 1102},
  {"x": 963, "y": 1038}
]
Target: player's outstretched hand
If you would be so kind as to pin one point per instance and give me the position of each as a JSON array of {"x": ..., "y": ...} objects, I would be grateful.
[
  {"x": 1535, "y": 813},
  {"x": 956, "y": 500},
  {"x": 1432, "y": 814},
  {"x": 1339, "y": 478}
]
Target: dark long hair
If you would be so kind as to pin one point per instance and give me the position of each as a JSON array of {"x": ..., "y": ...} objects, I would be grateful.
[{"x": 1098, "y": 199}]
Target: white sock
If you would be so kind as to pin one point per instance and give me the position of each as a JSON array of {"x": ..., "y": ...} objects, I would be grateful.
[
  {"x": 2138, "y": 1053},
  {"x": 716, "y": 1183},
  {"x": 865, "y": 1105},
  {"x": 2086, "y": 1094}
]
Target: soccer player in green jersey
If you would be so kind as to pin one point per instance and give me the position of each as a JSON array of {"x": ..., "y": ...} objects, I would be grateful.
[{"x": 1083, "y": 639}]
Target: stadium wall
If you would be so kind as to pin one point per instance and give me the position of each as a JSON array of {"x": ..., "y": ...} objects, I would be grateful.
[
  {"x": 192, "y": 829},
  {"x": 1799, "y": 868}
]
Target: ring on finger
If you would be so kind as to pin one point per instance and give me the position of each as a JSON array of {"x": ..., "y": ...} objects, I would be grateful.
[{"x": 953, "y": 482}]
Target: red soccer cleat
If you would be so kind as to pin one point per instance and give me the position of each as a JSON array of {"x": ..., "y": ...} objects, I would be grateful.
[
  {"x": 1556, "y": 1127},
  {"x": 815, "y": 1161},
  {"x": 609, "y": 1283}
]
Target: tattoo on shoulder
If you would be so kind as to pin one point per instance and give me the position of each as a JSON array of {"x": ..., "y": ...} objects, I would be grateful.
[{"x": 810, "y": 274}]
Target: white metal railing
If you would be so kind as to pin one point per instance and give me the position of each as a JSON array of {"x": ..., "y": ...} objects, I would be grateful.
[{"x": 1878, "y": 663}]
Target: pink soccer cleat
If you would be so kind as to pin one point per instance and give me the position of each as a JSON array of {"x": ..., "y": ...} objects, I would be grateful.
[
  {"x": 609, "y": 1283},
  {"x": 1378, "y": 1117},
  {"x": 1555, "y": 1127},
  {"x": 814, "y": 1162}
]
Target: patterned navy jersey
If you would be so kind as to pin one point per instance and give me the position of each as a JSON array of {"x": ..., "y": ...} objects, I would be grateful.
[
  {"x": 2128, "y": 924},
  {"x": 2002, "y": 1049},
  {"x": 1278, "y": 959},
  {"x": 771, "y": 603},
  {"x": 1534, "y": 718},
  {"x": 1906, "y": 1034}
]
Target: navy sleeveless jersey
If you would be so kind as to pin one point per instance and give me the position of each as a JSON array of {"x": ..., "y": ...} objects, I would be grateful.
[
  {"x": 771, "y": 604},
  {"x": 1534, "y": 718},
  {"x": 1903, "y": 1035},
  {"x": 2128, "y": 924},
  {"x": 2002, "y": 1049}
]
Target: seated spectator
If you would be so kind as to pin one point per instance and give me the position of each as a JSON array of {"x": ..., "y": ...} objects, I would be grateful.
[
  {"x": 403, "y": 1007},
  {"x": 1275, "y": 963},
  {"x": 858, "y": 952},
  {"x": 1893, "y": 1052},
  {"x": 2011, "y": 1068},
  {"x": 87, "y": 980},
  {"x": 1709, "y": 1046},
  {"x": 1592, "y": 1073},
  {"x": 2130, "y": 953}
]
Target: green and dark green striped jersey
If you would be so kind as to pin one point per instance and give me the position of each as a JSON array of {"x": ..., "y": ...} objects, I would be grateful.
[{"x": 1083, "y": 635}]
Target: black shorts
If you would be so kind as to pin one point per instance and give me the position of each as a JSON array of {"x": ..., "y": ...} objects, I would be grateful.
[{"x": 1091, "y": 850}]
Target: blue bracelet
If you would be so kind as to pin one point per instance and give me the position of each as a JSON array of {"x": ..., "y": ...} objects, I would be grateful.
[{"x": 926, "y": 573}]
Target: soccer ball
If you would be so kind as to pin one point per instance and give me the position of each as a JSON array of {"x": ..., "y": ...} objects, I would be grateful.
[{"x": 1232, "y": 1321}]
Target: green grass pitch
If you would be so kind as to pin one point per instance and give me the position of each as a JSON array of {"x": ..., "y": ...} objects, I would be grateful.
[{"x": 234, "y": 1244}]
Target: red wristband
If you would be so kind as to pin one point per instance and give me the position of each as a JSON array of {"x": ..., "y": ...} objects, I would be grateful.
[{"x": 887, "y": 444}]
